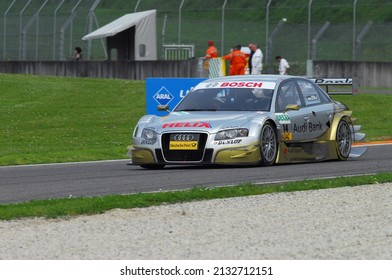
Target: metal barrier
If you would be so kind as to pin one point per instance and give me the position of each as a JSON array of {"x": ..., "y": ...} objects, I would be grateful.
[{"x": 178, "y": 52}]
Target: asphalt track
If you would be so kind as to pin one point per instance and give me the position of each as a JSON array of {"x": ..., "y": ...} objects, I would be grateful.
[{"x": 35, "y": 182}]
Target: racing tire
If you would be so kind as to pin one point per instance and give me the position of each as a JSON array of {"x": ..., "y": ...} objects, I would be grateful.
[
  {"x": 152, "y": 166},
  {"x": 268, "y": 145},
  {"x": 343, "y": 140}
]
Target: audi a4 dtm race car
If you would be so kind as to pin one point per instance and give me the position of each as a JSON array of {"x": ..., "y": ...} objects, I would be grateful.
[{"x": 251, "y": 119}]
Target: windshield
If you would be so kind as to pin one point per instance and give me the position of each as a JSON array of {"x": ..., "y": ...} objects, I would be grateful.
[{"x": 227, "y": 99}]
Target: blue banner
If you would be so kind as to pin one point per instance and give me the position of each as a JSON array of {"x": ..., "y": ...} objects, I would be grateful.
[{"x": 167, "y": 91}]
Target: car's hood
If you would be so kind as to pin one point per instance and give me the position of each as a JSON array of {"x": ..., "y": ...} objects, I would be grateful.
[{"x": 205, "y": 121}]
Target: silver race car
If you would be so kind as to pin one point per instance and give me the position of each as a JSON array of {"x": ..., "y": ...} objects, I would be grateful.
[{"x": 254, "y": 120}]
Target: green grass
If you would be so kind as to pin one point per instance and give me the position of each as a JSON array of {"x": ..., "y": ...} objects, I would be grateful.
[
  {"x": 372, "y": 112},
  {"x": 68, "y": 207},
  {"x": 52, "y": 119}
]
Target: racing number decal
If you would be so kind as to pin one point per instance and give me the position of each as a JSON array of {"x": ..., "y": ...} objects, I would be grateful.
[{"x": 287, "y": 136}]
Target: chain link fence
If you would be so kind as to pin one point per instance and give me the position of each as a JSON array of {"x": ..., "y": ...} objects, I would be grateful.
[{"x": 297, "y": 30}]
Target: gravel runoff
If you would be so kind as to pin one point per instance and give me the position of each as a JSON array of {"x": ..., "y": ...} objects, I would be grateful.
[{"x": 343, "y": 223}]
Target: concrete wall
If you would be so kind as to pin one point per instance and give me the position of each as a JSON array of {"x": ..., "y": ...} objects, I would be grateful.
[
  {"x": 133, "y": 70},
  {"x": 368, "y": 74}
]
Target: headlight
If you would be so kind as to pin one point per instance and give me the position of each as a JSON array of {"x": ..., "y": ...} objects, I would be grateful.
[
  {"x": 149, "y": 134},
  {"x": 232, "y": 133}
]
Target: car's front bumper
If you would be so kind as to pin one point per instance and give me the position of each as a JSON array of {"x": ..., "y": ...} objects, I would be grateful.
[{"x": 249, "y": 154}]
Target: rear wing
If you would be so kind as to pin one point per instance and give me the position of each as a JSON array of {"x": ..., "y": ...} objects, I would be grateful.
[{"x": 336, "y": 86}]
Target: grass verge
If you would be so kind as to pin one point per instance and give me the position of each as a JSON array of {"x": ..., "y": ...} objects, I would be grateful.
[
  {"x": 58, "y": 119},
  {"x": 68, "y": 207},
  {"x": 369, "y": 109}
]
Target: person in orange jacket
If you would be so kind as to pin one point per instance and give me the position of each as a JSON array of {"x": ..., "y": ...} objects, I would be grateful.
[
  {"x": 211, "y": 51},
  {"x": 237, "y": 61}
]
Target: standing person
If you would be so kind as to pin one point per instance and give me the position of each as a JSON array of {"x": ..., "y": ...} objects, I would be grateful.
[
  {"x": 283, "y": 65},
  {"x": 237, "y": 61},
  {"x": 211, "y": 51},
  {"x": 78, "y": 54},
  {"x": 250, "y": 46},
  {"x": 257, "y": 60}
]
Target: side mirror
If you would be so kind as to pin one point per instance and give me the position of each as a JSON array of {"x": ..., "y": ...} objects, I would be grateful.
[
  {"x": 163, "y": 108},
  {"x": 294, "y": 107}
]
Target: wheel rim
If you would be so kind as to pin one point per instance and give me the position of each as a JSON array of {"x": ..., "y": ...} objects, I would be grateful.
[
  {"x": 343, "y": 138},
  {"x": 268, "y": 143}
]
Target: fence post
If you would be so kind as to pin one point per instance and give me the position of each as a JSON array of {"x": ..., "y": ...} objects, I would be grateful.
[
  {"x": 64, "y": 27},
  {"x": 354, "y": 25},
  {"x": 91, "y": 16},
  {"x": 316, "y": 37},
  {"x": 269, "y": 43},
  {"x": 54, "y": 27},
  {"x": 309, "y": 27},
  {"x": 309, "y": 68},
  {"x": 179, "y": 21},
  {"x": 223, "y": 28},
  {"x": 358, "y": 41},
  {"x": 21, "y": 29},
  {"x": 5, "y": 29},
  {"x": 267, "y": 31}
]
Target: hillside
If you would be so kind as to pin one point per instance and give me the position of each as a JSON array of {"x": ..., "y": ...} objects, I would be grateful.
[
  {"x": 339, "y": 11},
  {"x": 245, "y": 21},
  {"x": 240, "y": 22}
]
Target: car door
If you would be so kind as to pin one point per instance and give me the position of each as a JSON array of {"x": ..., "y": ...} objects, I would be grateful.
[
  {"x": 318, "y": 108},
  {"x": 290, "y": 113}
]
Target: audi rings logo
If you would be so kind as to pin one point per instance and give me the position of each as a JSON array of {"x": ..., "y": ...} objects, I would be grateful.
[{"x": 184, "y": 137}]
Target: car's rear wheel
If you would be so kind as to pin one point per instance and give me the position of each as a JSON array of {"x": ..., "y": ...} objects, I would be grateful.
[
  {"x": 268, "y": 145},
  {"x": 152, "y": 166},
  {"x": 343, "y": 139}
]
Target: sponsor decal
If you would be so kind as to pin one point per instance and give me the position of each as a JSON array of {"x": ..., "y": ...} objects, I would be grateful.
[
  {"x": 183, "y": 141},
  {"x": 228, "y": 142},
  {"x": 242, "y": 84},
  {"x": 183, "y": 145},
  {"x": 237, "y": 84},
  {"x": 292, "y": 150},
  {"x": 333, "y": 81},
  {"x": 187, "y": 124},
  {"x": 230, "y": 126},
  {"x": 312, "y": 98},
  {"x": 308, "y": 127},
  {"x": 148, "y": 142},
  {"x": 283, "y": 118},
  {"x": 212, "y": 85},
  {"x": 287, "y": 136},
  {"x": 163, "y": 96}
]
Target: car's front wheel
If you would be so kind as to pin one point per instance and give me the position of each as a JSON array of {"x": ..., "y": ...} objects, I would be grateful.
[
  {"x": 268, "y": 145},
  {"x": 343, "y": 140}
]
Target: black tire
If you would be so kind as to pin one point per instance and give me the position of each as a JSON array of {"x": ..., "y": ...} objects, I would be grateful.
[
  {"x": 343, "y": 140},
  {"x": 153, "y": 166},
  {"x": 268, "y": 145}
]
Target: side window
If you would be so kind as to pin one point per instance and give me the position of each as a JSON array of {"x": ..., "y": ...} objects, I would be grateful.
[
  {"x": 310, "y": 93},
  {"x": 287, "y": 95}
]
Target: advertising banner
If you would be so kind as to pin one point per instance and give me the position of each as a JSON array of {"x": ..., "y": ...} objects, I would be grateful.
[{"x": 167, "y": 91}]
